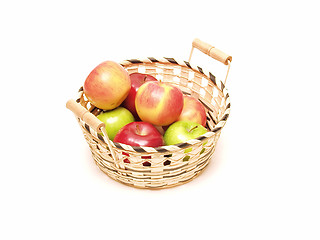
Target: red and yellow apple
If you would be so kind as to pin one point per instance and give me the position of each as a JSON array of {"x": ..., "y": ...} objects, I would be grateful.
[
  {"x": 107, "y": 85},
  {"x": 193, "y": 110},
  {"x": 159, "y": 103},
  {"x": 137, "y": 79}
]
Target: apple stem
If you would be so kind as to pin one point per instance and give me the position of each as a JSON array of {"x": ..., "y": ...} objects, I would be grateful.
[
  {"x": 138, "y": 129},
  {"x": 145, "y": 77},
  {"x": 193, "y": 128}
]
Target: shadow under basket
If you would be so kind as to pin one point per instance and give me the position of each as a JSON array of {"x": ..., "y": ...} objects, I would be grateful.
[{"x": 165, "y": 166}]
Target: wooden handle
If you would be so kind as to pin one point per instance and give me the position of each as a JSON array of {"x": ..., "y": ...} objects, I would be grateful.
[
  {"x": 211, "y": 51},
  {"x": 85, "y": 115}
]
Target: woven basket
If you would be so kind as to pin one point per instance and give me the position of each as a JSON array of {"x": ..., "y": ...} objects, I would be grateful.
[{"x": 165, "y": 166}]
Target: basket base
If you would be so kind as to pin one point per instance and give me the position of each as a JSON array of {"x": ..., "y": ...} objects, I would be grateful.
[{"x": 156, "y": 182}]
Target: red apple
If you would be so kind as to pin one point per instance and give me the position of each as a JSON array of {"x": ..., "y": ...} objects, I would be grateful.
[
  {"x": 139, "y": 134},
  {"x": 107, "y": 85},
  {"x": 137, "y": 79},
  {"x": 159, "y": 103},
  {"x": 193, "y": 110}
]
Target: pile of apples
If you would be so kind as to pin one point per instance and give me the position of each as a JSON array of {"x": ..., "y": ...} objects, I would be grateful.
[{"x": 139, "y": 110}]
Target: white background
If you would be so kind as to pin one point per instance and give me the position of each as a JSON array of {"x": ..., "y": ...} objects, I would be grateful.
[{"x": 263, "y": 181}]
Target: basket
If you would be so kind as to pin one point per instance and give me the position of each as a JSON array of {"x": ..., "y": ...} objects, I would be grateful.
[{"x": 165, "y": 166}]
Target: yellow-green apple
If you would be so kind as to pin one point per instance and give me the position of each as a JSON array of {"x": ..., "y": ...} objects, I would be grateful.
[
  {"x": 159, "y": 103},
  {"x": 139, "y": 134},
  {"x": 137, "y": 79},
  {"x": 115, "y": 119},
  {"x": 107, "y": 85},
  {"x": 182, "y": 131},
  {"x": 193, "y": 110}
]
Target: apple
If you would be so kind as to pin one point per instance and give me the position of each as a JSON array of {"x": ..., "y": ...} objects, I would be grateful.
[
  {"x": 182, "y": 131},
  {"x": 107, "y": 85},
  {"x": 115, "y": 119},
  {"x": 159, "y": 103},
  {"x": 193, "y": 110},
  {"x": 137, "y": 79},
  {"x": 139, "y": 134}
]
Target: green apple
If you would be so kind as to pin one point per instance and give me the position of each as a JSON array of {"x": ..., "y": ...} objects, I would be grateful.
[
  {"x": 115, "y": 119},
  {"x": 182, "y": 131}
]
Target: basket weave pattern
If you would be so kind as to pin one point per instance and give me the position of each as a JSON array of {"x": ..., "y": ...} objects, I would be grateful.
[{"x": 165, "y": 166}]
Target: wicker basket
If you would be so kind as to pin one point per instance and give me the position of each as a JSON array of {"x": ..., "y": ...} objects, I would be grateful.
[{"x": 165, "y": 166}]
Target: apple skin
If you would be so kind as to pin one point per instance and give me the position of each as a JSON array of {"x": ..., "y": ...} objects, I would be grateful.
[
  {"x": 137, "y": 79},
  {"x": 182, "y": 131},
  {"x": 139, "y": 134},
  {"x": 107, "y": 85},
  {"x": 159, "y": 103},
  {"x": 193, "y": 110},
  {"x": 115, "y": 119}
]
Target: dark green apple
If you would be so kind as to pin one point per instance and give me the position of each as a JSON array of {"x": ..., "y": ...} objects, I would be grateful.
[
  {"x": 115, "y": 119},
  {"x": 182, "y": 131}
]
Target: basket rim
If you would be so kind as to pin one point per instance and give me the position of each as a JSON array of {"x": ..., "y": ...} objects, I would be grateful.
[{"x": 168, "y": 148}]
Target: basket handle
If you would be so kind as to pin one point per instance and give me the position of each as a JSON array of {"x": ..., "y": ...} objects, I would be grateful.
[
  {"x": 92, "y": 121},
  {"x": 82, "y": 113},
  {"x": 213, "y": 52}
]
